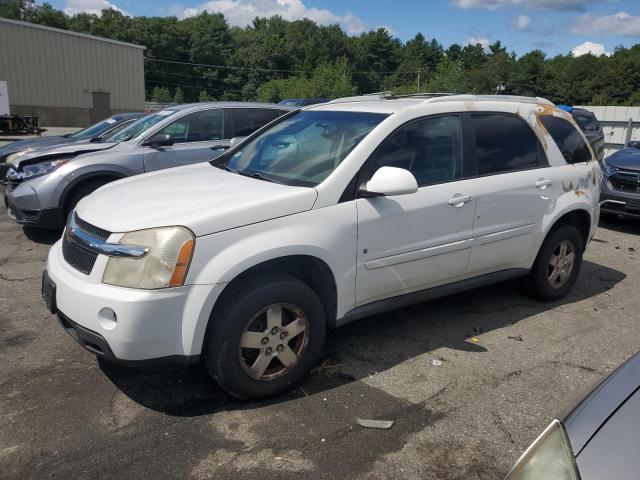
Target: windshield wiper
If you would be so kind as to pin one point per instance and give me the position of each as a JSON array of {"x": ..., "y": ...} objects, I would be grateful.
[{"x": 245, "y": 173}]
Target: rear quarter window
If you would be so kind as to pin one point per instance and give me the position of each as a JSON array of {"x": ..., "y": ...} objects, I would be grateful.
[{"x": 571, "y": 144}]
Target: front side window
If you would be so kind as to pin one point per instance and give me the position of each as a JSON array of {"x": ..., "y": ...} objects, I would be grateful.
[
  {"x": 571, "y": 144},
  {"x": 140, "y": 126},
  {"x": 430, "y": 148},
  {"x": 304, "y": 148},
  {"x": 504, "y": 143},
  {"x": 203, "y": 126},
  {"x": 248, "y": 120}
]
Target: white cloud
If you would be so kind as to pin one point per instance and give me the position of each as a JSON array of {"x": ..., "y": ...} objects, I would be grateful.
[
  {"x": 596, "y": 49},
  {"x": 478, "y": 40},
  {"x": 90, "y": 6},
  {"x": 620, "y": 23},
  {"x": 522, "y": 22},
  {"x": 242, "y": 12},
  {"x": 558, "y": 5}
]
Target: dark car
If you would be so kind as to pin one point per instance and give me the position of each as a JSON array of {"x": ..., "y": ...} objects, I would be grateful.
[
  {"x": 599, "y": 439},
  {"x": 302, "y": 102},
  {"x": 91, "y": 133},
  {"x": 590, "y": 126},
  {"x": 620, "y": 187}
]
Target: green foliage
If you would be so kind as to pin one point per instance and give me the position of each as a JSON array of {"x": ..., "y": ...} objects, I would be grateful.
[
  {"x": 178, "y": 97},
  {"x": 204, "y": 96},
  {"x": 274, "y": 58},
  {"x": 161, "y": 95},
  {"x": 329, "y": 80}
]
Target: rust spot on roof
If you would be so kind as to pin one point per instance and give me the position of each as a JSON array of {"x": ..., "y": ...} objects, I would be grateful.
[{"x": 470, "y": 105}]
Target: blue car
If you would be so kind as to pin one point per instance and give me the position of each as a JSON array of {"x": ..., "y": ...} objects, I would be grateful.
[{"x": 620, "y": 187}]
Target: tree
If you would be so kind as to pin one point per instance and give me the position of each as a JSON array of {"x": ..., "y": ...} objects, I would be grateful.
[
  {"x": 204, "y": 96},
  {"x": 178, "y": 97},
  {"x": 161, "y": 95}
]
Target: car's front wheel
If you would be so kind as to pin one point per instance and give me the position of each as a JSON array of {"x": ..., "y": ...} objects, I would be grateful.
[
  {"x": 265, "y": 337},
  {"x": 558, "y": 264}
]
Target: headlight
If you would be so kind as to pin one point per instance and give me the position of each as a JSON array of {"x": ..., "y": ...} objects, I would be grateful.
[
  {"x": 13, "y": 157},
  {"x": 42, "y": 168},
  {"x": 165, "y": 264},
  {"x": 608, "y": 169},
  {"x": 549, "y": 457}
]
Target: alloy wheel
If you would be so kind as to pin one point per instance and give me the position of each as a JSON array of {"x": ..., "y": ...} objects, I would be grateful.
[
  {"x": 273, "y": 341},
  {"x": 561, "y": 264}
]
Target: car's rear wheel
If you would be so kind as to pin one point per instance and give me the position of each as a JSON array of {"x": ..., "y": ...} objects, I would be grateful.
[
  {"x": 265, "y": 337},
  {"x": 558, "y": 264}
]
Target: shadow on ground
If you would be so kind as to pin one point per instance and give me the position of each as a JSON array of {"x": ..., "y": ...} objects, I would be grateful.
[
  {"x": 621, "y": 224},
  {"x": 42, "y": 235},
  {"x": 367, "y": 346}
]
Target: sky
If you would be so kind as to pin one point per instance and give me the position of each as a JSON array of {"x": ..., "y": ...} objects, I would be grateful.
[{"x": 554, "y": 26}]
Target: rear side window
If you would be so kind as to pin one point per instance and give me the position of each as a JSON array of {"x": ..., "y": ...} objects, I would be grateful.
[
  {"x": 248, "y": 120},
  {"x": 573, "y": 147},
  {"x": 504, "y": 143}
]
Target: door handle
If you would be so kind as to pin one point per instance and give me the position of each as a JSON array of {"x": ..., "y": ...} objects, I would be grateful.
[
  {"x": 459, "y": 199},
  {"x": 543, "y": 183}
]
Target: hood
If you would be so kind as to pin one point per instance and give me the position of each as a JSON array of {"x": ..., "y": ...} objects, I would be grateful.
[
  {"x": 70, "y": 149},
  {"x": 587, "y": 418},
  {"x": 627, "y": 158},
  {"x": 32, "y": 143},
  {"x": 201, "y": 197}
]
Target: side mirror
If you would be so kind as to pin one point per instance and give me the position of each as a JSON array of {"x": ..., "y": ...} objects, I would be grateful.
[
  {"x": 236, "y": 140},
  {"x": 390, "y": 181},
  {"x": 159, "y": 140}
]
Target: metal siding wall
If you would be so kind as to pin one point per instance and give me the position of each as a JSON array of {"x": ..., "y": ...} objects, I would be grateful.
[{"x": 55, "y": 69}]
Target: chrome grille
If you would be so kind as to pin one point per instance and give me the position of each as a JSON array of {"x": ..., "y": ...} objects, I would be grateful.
[
  {"x": 78, "y": 257},
  {"x": 626, "y": 180}
]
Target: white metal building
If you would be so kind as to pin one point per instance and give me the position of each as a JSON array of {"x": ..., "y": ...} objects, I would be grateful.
[{"x": 66, "y": 78}]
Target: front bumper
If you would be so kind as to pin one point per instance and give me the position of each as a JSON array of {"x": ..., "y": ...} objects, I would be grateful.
[
  {"x": 23, "y": 206},
  {"x": 617, "y": 201},
  {"x": 151, "y": 327}
]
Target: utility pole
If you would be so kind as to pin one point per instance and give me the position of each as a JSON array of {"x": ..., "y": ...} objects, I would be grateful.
[{"x": 419, "y": 69}]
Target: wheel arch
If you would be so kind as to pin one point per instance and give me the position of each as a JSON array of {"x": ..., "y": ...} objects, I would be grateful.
[
  {"x": 82, "y": 180},
  {"x": 580, "y": 218}
]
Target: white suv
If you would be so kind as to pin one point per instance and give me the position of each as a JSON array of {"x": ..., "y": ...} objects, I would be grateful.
[{"x": 324, "y": 216}]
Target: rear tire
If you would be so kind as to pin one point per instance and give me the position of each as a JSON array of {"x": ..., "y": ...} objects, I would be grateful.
[
  {"x": 265, "y": 336},
  {"x": 557, "y": 265}
]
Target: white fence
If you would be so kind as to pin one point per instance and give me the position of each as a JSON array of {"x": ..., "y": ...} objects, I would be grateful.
[{"x": 620, "y": 124}]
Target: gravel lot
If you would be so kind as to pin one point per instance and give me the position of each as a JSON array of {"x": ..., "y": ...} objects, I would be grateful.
[{"x": 65, "y": 415}]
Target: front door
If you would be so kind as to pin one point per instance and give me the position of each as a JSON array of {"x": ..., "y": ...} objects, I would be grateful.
[
  {"x": 412, "y": 242},
  {"x": 197, "y": 137}
]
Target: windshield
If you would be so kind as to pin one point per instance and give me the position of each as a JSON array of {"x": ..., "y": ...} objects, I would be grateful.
[
  {"x": 94, "y": 130},
  {"x": 140, "y": 126},
  {"x": 304, "y": 148}
]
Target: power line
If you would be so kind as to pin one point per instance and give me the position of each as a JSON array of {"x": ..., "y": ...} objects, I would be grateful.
[
  {"x": 307, "y": 72},
  {"x": 198, "y": 87}
]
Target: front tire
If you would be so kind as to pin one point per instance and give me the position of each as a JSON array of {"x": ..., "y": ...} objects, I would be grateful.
[
  {"x": 557, "y": 265},
  {"x": 265, "y": 336}
]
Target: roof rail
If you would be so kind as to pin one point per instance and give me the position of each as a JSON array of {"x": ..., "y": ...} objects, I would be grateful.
[
  {"x": 491, "y": 98},
  {"x": 367, "y": 97},
  {"x": 392, "y": 96}
]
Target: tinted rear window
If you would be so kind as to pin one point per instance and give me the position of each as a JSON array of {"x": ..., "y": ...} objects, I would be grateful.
[
  {"x": 571, "y": 144},
  {"x": 587, "y": 121},
  {"x": 504, "y": 143}
]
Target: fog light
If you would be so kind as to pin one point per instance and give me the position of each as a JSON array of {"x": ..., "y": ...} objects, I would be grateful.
[{"x": 107, "y": 318}]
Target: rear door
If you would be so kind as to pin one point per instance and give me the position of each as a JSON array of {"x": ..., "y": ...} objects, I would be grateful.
[
  {"x": 516, "y": 188},
  {"x": 197, "y": 136}
]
